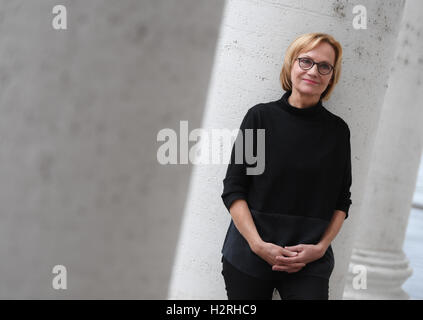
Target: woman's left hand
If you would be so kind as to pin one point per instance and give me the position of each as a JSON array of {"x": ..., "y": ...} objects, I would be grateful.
[{"x": 306, "y": 254}]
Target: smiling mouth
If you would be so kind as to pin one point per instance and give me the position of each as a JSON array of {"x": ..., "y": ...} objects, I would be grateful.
[{"x": 310, "y": 81}]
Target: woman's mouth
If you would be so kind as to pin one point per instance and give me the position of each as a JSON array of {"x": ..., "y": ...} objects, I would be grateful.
[{"x": 310, "y": 81}]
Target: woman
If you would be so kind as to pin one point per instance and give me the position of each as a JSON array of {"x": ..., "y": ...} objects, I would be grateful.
[{"x": 284, "y": 220}]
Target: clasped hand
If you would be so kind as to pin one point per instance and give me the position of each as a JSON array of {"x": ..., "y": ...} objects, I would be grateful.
[{"x": 290, "y": 259}]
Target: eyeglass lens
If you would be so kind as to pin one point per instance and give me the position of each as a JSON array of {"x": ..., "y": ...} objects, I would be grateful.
[{"x": 323, "y": 67}]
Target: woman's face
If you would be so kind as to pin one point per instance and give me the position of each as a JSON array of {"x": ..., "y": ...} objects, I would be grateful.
[{"x": 311, "y": 82}]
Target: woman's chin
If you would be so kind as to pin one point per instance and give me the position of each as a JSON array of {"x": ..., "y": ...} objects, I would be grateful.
[{"x": 307, "y": 90}]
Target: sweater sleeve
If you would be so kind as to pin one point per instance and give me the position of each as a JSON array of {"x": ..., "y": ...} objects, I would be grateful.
[
  {"x": 236, "y": 182},
  {"x": 344, "y": 198}
]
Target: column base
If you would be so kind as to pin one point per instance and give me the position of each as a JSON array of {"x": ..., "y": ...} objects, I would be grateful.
[{"x": 377, "y": 275}]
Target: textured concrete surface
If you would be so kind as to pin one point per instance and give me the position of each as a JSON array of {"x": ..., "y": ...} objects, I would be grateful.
[
  {"x": 394, "y": 166},
  {"x": 80, "y": 110}
]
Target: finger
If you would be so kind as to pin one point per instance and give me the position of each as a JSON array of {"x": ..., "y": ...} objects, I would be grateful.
[
  {"x": 289, "y": 253},
  {"x": 278, "y": 267},
  {"x": 295, "y": 248},
  {"x": 282, "y": 259},
  {"x": 285, "y": 268},
  {"x": 291, "y": 265}
]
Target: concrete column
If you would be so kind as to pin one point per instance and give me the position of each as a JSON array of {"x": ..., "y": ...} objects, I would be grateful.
[
  {"x": 392, "y": 175},
  {"x": 80, "y": 110},
  {"x": 254, "y": 37}
]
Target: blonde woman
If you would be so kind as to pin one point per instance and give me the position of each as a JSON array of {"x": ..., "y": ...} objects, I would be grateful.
[{"x": 284, "y": 220}]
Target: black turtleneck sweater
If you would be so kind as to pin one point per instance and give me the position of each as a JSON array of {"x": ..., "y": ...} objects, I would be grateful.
[{"x": 307, "y": 176}]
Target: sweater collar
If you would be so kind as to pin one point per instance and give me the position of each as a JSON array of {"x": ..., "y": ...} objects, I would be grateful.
[{"x": 306, "y": 112}]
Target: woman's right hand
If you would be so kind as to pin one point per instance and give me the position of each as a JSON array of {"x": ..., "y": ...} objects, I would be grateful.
[{"x": 268, "y": 252}]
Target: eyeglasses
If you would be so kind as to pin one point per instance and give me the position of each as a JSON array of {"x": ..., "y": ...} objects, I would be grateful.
[{"x": 324, "y": 68}]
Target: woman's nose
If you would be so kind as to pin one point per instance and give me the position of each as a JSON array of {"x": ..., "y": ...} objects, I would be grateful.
[{"x": 313, "y": 70}]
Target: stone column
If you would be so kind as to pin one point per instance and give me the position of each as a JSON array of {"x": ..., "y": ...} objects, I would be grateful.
[
  {"x": 80, "y": 110},
  {"x": 254, "y": 37},
  {"x": 392, "y": 175}
]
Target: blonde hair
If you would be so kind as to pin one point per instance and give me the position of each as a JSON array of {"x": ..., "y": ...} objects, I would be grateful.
[{"x": 307, "y": 42}]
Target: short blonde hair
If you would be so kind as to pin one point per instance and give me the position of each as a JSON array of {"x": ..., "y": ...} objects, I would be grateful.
[{"x": 308, "y": 42}]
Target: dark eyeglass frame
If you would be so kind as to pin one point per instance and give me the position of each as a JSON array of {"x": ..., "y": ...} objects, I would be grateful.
[{"x": 318, "y": 65}]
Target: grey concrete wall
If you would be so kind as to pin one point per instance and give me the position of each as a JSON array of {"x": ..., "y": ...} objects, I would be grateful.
[{"x": 79, "y": 113}]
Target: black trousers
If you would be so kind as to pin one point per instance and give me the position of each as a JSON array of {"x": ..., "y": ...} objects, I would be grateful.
[{"x": 241, "y": 286}]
